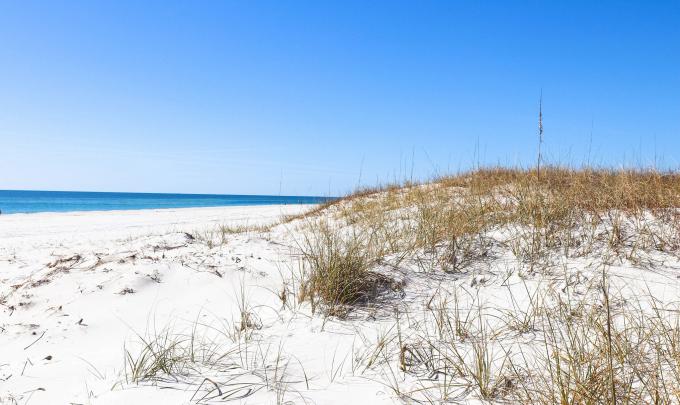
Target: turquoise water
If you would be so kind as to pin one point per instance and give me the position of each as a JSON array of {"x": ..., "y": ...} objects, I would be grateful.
[{"x": 14, "y": 201}]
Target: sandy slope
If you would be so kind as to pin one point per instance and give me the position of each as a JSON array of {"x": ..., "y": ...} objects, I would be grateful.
[{"x": 78, "y": 287}]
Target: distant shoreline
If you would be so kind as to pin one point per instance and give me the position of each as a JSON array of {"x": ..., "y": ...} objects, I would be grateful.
[
  {"x": 30, "y": 202},
  {"x": 145, "y": 210}
]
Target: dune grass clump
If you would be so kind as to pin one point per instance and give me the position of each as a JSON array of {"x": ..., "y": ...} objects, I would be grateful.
[
  {"x": 212, "y": 363},
  {"x": 219, "y": 235},
  {"x": 338, "y": 267},
  {"x": 162, "y": 355}
]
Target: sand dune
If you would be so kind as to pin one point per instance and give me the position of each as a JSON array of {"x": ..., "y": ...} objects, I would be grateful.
[{"x": 205, "y": 306}]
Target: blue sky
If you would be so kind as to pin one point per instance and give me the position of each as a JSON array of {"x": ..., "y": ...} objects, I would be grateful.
[{"x": 316, "y": 97}]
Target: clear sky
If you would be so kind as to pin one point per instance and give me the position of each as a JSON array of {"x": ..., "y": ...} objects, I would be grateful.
[{"x": 315, "y": 97}]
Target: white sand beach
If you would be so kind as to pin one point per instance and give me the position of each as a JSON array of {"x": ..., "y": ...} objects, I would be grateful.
[
  {"x": 204, "y": 305},
  {"x": 339, "y": 203},
  {"x": 78, "y": 288}
]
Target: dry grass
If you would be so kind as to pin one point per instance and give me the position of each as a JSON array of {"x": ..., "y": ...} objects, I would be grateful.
[
  {"x": 212, "y": 363},
  {"x": 337, "y": 268},
  {"x": 219, "y": 235},
  {"x": 522, "y": 306},
  {"x": 587, "y": 348},
  {"x": 568, "y": 339},
  {"x": 458, "y": 221}
]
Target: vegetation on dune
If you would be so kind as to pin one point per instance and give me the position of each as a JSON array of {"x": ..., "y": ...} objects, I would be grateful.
[
  {"x": 587, "y": 345},
  {"x": 567, "y": 330},
  {"x": 458, "y": 221}
]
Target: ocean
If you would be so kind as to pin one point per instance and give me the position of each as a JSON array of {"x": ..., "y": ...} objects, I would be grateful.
[{"x": 15, "y": 201}]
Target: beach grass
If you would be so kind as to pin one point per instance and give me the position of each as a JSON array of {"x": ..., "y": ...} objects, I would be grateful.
[{"x": 514, "y": 284}]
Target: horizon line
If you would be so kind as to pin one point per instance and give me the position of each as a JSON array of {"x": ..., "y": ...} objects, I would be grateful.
[{"x": 169, "y": 193}]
